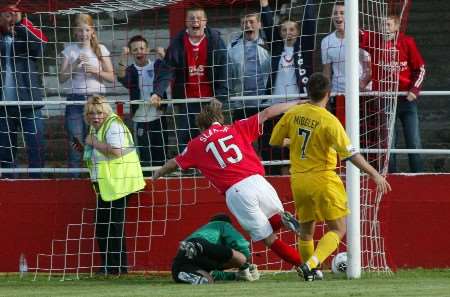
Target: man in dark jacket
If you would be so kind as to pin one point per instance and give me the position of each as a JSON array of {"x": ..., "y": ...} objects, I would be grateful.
[
  {"x": 21, "y": 46},
  {"x": 148, "y": 124},
  {"x": 292, "y": 64},
  {"x": 195, "y": 64},
  {"x": 287, "y": 35}
]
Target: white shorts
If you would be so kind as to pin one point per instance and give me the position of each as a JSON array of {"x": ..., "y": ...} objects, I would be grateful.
[{"x": 252, "y": 201}]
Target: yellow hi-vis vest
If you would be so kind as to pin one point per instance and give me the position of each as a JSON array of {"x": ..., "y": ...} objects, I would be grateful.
[{"x": 118, "y": 176}]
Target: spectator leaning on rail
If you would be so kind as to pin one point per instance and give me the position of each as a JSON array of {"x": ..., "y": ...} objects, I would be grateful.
[
  {"x": 248, "y": 66},
  {"x": 292, "y": 64},
  {"x": 21, "y": 46},
  {"x": 333, "y": 56},
  {"x": 139, "y": 78},
  {"x": 292, "y": 53},
  {"x": 405, "y": 61},
  {"x": 195, "y": 63},
  {"x": 116, "y": 174}
]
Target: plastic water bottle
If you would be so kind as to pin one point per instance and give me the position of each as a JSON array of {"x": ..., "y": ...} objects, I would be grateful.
[{"x": 23, "y": 266}]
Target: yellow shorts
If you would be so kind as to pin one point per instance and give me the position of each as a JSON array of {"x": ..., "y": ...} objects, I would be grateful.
[{"x": 319, "y": 196}]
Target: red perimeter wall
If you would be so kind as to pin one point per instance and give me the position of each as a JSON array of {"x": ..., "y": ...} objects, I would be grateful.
[{"x": 414, "y": 218}]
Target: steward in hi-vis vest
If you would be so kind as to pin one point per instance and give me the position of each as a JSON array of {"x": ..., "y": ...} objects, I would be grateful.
[{"x": 116, "y": 176}]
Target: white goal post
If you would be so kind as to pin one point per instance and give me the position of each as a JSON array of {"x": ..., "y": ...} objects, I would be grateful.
[{"x": 352, "y": 127}]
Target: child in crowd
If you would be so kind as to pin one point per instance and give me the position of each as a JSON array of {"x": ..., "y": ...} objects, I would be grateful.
[
  {"x": 139, "y": 79},
  {"x": 86, "y": 66}
]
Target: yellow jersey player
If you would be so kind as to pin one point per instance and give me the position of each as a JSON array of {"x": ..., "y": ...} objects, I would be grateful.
[{"x": 317, "y": 138}]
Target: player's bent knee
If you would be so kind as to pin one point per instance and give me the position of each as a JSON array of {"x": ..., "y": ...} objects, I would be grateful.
[
  {"x": 238, "y": 258},
  {"x": 338, "y": 226},
  {"x": 306, "y": 237},
  {"x": 307, "y": 230}
]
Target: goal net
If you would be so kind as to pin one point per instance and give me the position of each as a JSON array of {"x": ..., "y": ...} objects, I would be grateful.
[{"x": 37, "y": 136}]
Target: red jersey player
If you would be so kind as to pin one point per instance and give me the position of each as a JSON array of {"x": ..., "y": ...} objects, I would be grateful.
[{"x": 225, "y": 155}]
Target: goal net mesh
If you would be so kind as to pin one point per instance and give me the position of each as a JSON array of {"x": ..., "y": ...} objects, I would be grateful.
[{"x": 115, "y": 22}]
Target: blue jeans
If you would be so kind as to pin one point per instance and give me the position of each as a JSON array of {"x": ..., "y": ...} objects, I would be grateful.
[
  {"x": 76, "y": 127},
  {"x": 28, "y": 125},
  {"x": 408, "y": 117}
]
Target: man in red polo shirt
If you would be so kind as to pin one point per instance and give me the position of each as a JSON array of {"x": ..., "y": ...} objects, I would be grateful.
[{"x": 195, "y": 66}]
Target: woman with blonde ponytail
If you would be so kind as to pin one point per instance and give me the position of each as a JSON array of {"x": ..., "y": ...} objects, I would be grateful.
[{"x": 86, "y": 66}]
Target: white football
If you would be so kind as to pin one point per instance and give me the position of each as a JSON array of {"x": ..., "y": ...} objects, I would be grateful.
[{"x": 339, "y": 263}]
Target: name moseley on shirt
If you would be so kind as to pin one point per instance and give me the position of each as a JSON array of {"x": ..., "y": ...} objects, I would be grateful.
[{"x": 306, "y": 122}]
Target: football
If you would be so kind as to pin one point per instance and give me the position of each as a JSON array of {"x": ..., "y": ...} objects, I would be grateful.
[{"x": 339, "y": 263}]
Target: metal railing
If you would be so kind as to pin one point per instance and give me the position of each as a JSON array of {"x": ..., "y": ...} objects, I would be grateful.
[{"x": 234, "y": 98}]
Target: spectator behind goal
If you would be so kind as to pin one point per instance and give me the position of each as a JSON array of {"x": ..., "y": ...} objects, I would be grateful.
[
  {"x": 248, "y": 66},
  {"x": 333, "y": 57},
  {"x": 139, "y": 79},
  {"x": 195, "y": 64},
  {"x": 292, "y": 64},
  {"x": 86, "y": 66},
  {"x": 406, "y": 57},
  {"x": 21, "y": 46}
]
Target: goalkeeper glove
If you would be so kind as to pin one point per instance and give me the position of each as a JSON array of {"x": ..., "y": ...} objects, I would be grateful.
[
  {"x": 254, "y": 271},
  {"x": 244, "y": 275}
]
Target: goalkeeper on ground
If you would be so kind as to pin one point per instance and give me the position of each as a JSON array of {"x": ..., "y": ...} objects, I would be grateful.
[{"x": 216, "y": 246}]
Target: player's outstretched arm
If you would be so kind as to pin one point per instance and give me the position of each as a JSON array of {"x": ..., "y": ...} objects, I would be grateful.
[
  {"x": 167, "y": 168},
  {"x": 277, "y": 109},
  {"x": 382, "y": 185}
]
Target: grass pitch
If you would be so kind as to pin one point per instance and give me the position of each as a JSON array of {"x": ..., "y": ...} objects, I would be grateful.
[{"x": 402, "y": 283}]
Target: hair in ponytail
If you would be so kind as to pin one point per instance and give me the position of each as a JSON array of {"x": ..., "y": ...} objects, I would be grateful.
[{"x": 85, "y": 19}]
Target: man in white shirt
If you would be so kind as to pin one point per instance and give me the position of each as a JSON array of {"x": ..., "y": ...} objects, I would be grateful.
[{"x": 333, "y": 55}]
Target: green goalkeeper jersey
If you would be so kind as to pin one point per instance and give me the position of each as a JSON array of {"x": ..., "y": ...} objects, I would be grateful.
[{"x": 219, "y": 232}]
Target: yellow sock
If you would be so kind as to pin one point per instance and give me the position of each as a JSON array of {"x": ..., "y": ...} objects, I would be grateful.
[
  {"x": 306, "y": 248},
  {"x": 326, "y": 245}
]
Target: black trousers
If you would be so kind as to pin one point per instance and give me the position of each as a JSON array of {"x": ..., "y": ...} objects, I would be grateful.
[
  {"x": 214, "y": 256},
  {"x": 152, "y": 140},
  {"x": 185, "y": 125},
  {"x": 269, "y": 153},
  {"x": 110, "y": 233},
  {"x": 242, "y": 113}
]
